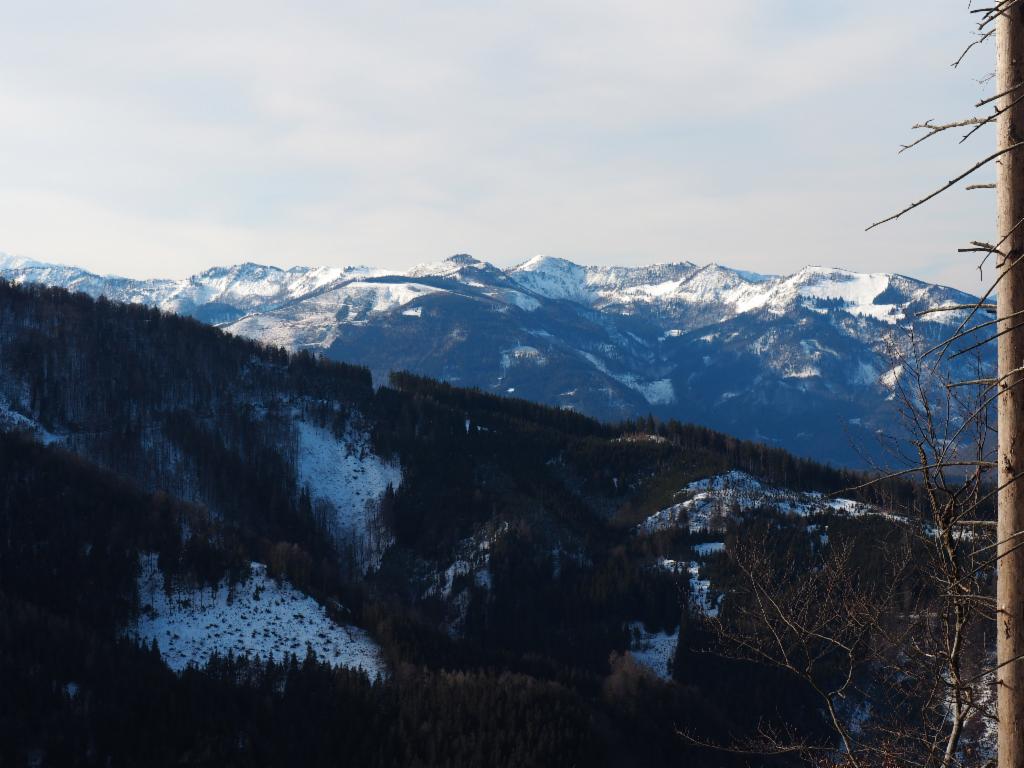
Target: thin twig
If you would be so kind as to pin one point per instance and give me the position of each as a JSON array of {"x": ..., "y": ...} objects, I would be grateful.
[
  {"x": 998, "y": 96},
  {"x": 935, "y": 130},
  {"x": 981, "y": 39}
]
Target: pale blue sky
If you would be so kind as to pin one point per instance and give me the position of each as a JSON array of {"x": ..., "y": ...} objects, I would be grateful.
[{"x": 761, "y": 134}]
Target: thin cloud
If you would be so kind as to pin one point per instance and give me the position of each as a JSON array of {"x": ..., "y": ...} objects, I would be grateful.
[{"x": 760, "y": 133}]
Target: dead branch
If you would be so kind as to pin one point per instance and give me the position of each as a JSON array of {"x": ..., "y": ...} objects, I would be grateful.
[
  {"x": 948, "y": 185},
  {"x": 982, "y": 37},
  {"x": 935, "y": 130}
]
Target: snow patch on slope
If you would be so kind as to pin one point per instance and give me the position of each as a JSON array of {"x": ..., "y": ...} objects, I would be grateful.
[
  {"x": 385, "y": 297},
  {"x": 700, "y": 592},
  {"x": 654, "y": 650},
  {"x": 12, "y": 421},
  {"x": 700, "y": 589},
  {"x": 712, "y": 499},
  {"x": 515, "y": 298},
  {"x": 469, "y": 570},
  {"x": 259, "y": 617},
  {"x": 659, "y": 392},
  {"x": 522, "y": 355},
  {"x": 709, "y": 548},
  {"x": 314, "y": 321},
  {"x": 250, "y": 285},
  {"x": 879, "y": 296},
  {"x": 347, "y": 480}
]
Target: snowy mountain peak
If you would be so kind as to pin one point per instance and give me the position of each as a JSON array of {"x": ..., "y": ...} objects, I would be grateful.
[
  {"x": 550, "y": 264},
  {"x": 684, "y": 293},
  {"x": 641, "y": 278},
  {"x": 9, "y": 261},
  {"x": 861, "y": 285},
  {"x": 742, "y": 274},
  {"x": 714, "y": 276},
  {"x": 553, "y": 278},
  {"x": 461, "y": 266},
  {"x": 883, "y": 296},
  {"x": 245, "y": 270}
]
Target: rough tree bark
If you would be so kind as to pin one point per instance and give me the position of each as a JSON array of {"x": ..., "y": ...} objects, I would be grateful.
[{"x": 1010, "y": 214}]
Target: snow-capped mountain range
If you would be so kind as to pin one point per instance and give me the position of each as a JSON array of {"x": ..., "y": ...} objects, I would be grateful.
[{"x": 797, "y": 361}]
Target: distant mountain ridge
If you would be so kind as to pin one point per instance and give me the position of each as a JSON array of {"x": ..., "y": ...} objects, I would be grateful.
[{"x": 795, "y": 360}]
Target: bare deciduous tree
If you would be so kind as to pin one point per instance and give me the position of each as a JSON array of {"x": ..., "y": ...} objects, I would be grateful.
[
  {"x": 1003, "y": 23},
  {"x": 902, "y": 664},
  {"x": 922, "y": 655}
]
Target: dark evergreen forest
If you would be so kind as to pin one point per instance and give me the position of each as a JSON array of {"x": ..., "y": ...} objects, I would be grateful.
[{"x": 177, "y": 442}]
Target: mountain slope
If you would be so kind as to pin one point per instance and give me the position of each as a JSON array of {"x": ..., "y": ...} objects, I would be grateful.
[{"x": 796, "y": 361}]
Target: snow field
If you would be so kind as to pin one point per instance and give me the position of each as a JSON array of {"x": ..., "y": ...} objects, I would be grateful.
[
  {"x": 655, "y": 650},
  {"x": 351, "y": 480},
  {"x": 259, "y": 618},
  {"x": 716, "y": 497}
]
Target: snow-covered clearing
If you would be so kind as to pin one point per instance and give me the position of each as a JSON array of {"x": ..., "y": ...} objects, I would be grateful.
[
  {"x": 472, "y": 558},
  {"x": 659, "y": 392},
  {"x": 347, "y": 478},
  {"x": 470, "y": 570},
  {"x": 12, "y": 421},
  {"x": 700, "y": 589},
  {"x": 384, "y": 297},
  {"x": 521, "y": 355},
  {"x": 655, "y": 650},
  {"x": 260, "y": 618},
  {"x": 711, "y": 548},
  {"x": 713, "y": 499}
]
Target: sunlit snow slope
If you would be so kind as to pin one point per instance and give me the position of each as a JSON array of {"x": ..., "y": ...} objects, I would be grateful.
[{"x": 260, "y": 617}]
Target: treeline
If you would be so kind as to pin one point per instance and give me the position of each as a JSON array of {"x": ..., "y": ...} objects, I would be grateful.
[
  {"x": 70, "y": 536},
  {"x": 181, "y": 407},
  {"x": 115, "y": 704},
  {"x": 779, "y": 467},
  {"x": 95, "y": 365},
  {"x": 482, "y": 404}
]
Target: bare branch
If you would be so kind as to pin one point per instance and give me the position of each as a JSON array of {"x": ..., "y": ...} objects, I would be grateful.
[
  {"x": 934, "y": 130},
  {"x": 954, "y": 307},
  {"x": 951, "y": 183},
  {"x": 998, "y": 96},
  {"x": 981, "y": 39},
  {"x": 995, "y": 13}
]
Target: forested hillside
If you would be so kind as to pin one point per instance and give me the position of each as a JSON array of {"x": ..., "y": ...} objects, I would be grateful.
[{"x": 493, "y": 549}]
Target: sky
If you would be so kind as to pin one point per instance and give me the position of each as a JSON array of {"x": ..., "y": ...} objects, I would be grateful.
[{"x": 159, "y": 139}]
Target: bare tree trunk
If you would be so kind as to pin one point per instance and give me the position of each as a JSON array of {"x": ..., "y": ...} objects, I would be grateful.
[{"x": 1010, "y": 204}]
